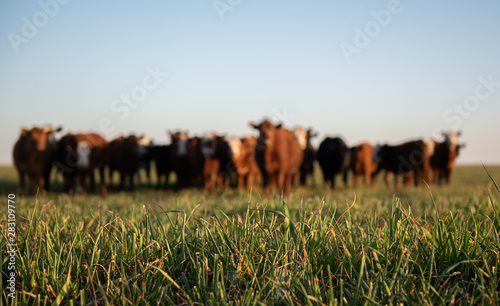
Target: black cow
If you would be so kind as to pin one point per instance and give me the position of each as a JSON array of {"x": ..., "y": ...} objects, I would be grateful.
[
  {"x": 333, "y": 157},
  {"x": 162, "y": 157},
  {"x": 407, "y": 160}
]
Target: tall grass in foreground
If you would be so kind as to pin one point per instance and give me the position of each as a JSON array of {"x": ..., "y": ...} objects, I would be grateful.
[{"x": 279, "y": 253}]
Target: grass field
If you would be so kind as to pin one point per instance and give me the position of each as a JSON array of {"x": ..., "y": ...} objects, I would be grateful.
[{"x": 315, "y": 247}]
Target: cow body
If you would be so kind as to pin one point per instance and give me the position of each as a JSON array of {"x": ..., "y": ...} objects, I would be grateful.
[
  {"x": 187, "y": 160},
  {"x": 362, "y": 163},
  {"x": 217, "y": 160},
  {"x": 307, "y": 167},
  {"x": 278, "y": 155},
  {"x": 125, "y": 158},
  {"x": 408, "y": 160},
  {"x": 442, "y": 161},
  {"x": 334, "y": 158},
  {"x": 78, "y": 155},
  {"x": 243, "y": 156},
  {"x": 162, "y": 157},
  {"x": 33, "y": 155}
]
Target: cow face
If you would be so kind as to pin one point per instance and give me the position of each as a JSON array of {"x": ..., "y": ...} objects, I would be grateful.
[
  {"x": 235, "y": 147},
  {"x": 377, "y": 153},
  {"x": 83, "y": 151},
  {"x": 180, "y": 141},
  {"x": 36, "y": 138},
  {"x": 301, "y": 136},
  {"x": 39, "y": 139},
  {"x": 267, "y": 130},
  {"x": 209, "y": 145},
  {"x": 451, "y": 139}
]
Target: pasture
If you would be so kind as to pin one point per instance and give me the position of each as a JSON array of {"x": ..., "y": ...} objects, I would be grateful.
[{"x": 314, "y": 247}]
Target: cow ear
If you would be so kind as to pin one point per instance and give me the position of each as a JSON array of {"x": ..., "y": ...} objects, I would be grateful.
[
  {"x": 251, "y": 124},
  {"x": 24, "y": 131},
  {"x": 279, "y": 126}
]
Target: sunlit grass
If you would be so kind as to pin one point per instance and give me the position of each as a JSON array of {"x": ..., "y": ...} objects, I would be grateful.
[{"x": 315, "y": 247}]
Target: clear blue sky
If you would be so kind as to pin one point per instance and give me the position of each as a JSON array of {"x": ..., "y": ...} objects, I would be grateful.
[{"x": 428, "y": 66}]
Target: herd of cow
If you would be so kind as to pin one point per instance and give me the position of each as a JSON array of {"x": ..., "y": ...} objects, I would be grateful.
[{"x": 276, "y": 159}]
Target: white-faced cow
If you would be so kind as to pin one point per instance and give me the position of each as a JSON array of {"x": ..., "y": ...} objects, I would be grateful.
[
  {"x": 443, "y": 159},
  {"x": 78, "y": 155}
]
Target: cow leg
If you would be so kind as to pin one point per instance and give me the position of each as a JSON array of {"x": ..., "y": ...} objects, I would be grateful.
[
  {"x": 46, "y": 177},
  {"x": 344, "y": 179},
  {"x": 366, "y": 177},
  {"x": 241, "y": 181},
  {"x": 373, "y": 178},
  {"x": 131, "y": 181},
  {"x": 281, "y": 181},
  {"x": 355, "y": 177},
  {"x": 250, "y": 181},
  {"x": 287, "y": 182},
  {"x": 32, "y": 184},
  {"x": 92, "y": 180},
  {"x": 332, "y": 180},
  {"x": 303, "y": 177},
  {"x": 102, "y": 179},
  {"x": 122, "y": 180},
  {"x": 397, "y": 177},
  {"x": 22, "y": 182},
  {"x": 419, "y": 176},
  {"x": 80, "y": 182},
  {"x": 387, "y": 179}
]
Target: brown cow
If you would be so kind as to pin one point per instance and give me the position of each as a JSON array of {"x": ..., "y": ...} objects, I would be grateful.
[
  {"x": 78, "y": 155},
  {"x": 278, "y": 155},
  {"x": 243, "y": 155},
  {"x": 125, "y": 157},
  {"x": 443, "y": 159},
  {"x": 362, "y": 163},
  {"x": 215, "y": 150},
  {"x": 33, "y": 155}
]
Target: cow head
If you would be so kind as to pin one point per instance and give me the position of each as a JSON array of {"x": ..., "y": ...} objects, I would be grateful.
[
  {"x": 267, "y": 130},
  {"x": 179, "y": 141},
  {"x": 301, "y": 137},
  {"x": 39, "y": 138},
  {"x": 451, "y": 139},
  {"x": 378, "y": 152},
  {"x": 209, "y": 145},
  {"x": 235, "y": 147}
]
